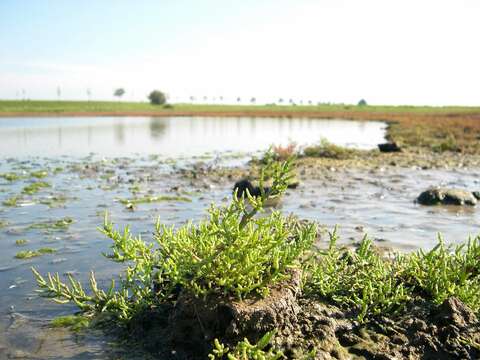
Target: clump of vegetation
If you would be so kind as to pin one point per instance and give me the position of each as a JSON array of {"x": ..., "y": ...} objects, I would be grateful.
[
  {"x": 3, "y": 223},
  {"x": 35, "y": 187},
  {"x": 21, "y": 242},
  {"x": 54, "y": 225},
  {"x": 282, "y": 153},
  {"x": 27, "y": 254},
  {"x": 446, "y": 143},
  {"x": 151, "y": 199},
  {"x": 365, "y": 281},
  {"x": 73, "y": 322},
  {"x": 328, "y": 150},
  {"x": 360, "y": 279},
  {"x": 12, "y": 201},
  {"x": 54, "y": 201},
  {"x": 244, "y": 350},
  {"x": 11, "y": 176},
  {"x": 157, "y": 97},
  {"x": 233, "y": 253},
  {"x": 39, "y": 174}
]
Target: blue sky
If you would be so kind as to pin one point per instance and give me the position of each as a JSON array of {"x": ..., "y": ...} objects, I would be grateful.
[{"x": 390, "y": 52}]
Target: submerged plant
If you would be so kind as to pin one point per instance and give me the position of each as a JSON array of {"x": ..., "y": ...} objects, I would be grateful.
[
  {"x": 152, "y": 199},
  {"x": 54, "y": 225},
  {"x": 35, "y": 187},
  {"x": 39, "y": 174},
  {"x": 11, "y": 176},
  {"x": 27, "y": 254},
  {"x": 12, "y": 201}
]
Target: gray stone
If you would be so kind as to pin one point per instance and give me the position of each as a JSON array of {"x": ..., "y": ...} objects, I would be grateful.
[{"x": 447, "y": 196}]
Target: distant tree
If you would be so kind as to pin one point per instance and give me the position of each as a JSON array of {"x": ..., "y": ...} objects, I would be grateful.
[
  {"x": 157, "y": 97},
  {"x": 89, "y": 94},
  {"x": 59, "y": 92},
  {"x": 280, "y": 100},
  {"x": 192, "y": 98},
  {"x": 309, "y": 102},
  {"x": 362, "y": 102},
  {"x": 119, "y": 92},
  {"x": 253, "y": 100},
  {"x": 239, "y": 99}
]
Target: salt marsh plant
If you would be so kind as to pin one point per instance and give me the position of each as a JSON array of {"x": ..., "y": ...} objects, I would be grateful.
[
  {"x": 235, "y": 253},
  {"x": 373, "y": 285}
]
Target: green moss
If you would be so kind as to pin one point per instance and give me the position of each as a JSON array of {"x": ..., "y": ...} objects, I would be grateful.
[{"x": 35, "y": 187}]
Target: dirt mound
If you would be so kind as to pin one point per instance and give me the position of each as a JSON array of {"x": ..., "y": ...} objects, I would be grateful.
[{"x": 423, "y": 331}]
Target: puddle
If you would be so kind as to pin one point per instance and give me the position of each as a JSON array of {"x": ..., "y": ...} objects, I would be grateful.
[{"x": 175, "y": 136}]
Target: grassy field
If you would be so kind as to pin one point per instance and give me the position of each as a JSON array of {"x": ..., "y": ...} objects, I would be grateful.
[
  {"x": 437, "y": 129},
  {"x": 59, "y": 107}
]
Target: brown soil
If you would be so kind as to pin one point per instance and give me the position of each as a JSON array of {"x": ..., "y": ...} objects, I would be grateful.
[{"x": 424, "y": 331}]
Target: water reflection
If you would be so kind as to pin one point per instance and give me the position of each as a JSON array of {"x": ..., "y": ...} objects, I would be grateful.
[{"x": 174, "y": 136}]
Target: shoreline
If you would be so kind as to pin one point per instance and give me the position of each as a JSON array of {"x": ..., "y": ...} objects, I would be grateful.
[{"x": 320, "y": 114}]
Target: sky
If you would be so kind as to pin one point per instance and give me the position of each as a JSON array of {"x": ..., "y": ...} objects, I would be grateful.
[{"x": 386, "y": 51}]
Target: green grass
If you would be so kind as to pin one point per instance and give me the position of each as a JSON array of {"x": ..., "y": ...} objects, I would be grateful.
[{"x": 58, "y": 107}]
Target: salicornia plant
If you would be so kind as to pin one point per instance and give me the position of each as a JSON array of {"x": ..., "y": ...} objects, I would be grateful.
[{"x": 235, "y": 252}]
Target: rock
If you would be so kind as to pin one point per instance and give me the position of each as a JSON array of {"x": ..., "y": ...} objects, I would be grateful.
[
  {"x": 446, "y": 196},
  {"x": 389, "y": 147},
  {"x": 454, "y": 312},
  {"x": 476, "y": 194},
  {"x": 293, "y": 183},
  {"x": 254, "y": 189}
]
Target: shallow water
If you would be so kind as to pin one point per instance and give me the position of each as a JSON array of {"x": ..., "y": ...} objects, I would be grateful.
[
  {"x": 174, "y": 136},
  {"x": 376, "y": 202}
]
